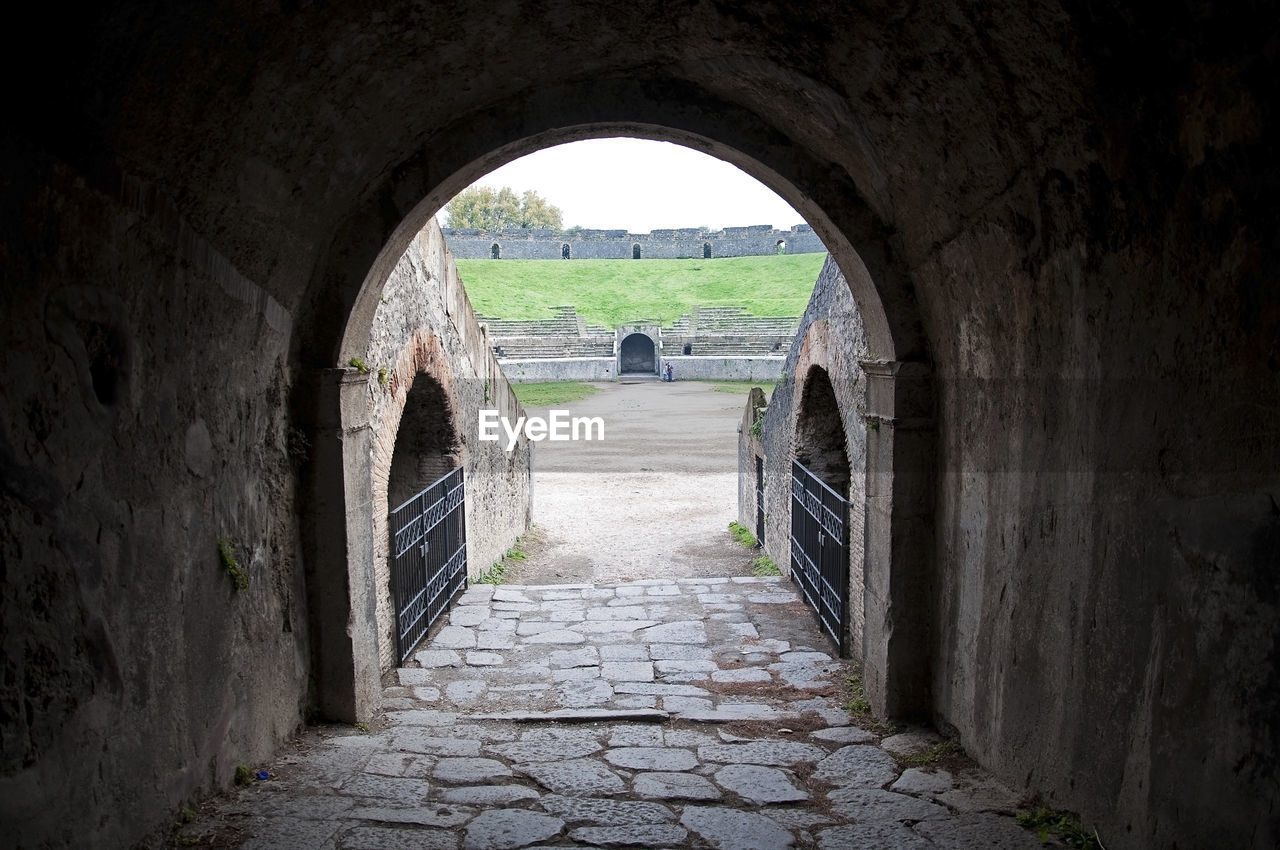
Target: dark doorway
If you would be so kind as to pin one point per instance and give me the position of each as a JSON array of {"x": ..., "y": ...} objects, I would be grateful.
[
  {"x": 635, "y": 251},
  {"x": 706, "y": 250},
  {"x": 638, "y": 356},
  {"x": 495, "y": 251},
  {"x": 426, "y": 447},
  {"x": 820, "y": 444}
]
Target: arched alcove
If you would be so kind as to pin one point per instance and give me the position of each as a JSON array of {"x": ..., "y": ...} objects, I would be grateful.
[
  {"x": 637, "y": 355},
  {"x": 635, "y": 251},
  {"x": 820, "y": 443},
  {"x": 706, "y": 250},
  {"x": 495, "y": 251},
  {"x": 426, "y": 445}
]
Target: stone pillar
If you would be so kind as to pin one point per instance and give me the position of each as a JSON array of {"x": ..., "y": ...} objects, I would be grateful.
[
  {"x": 899, "y": 538},
  {"x": 340, "y": 576}
]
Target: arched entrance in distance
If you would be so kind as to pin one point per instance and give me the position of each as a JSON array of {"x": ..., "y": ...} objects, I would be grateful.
[
  {"x": 899, "y": 477},
  {"x": 637, "y": 355}
]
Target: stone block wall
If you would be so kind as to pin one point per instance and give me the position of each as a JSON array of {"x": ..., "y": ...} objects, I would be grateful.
[
  {"x": 424, "y": 326},
  {"x": 139, "y": 426},
  {"x": 831, "y": 336},
  {"x": 671, "y": 244}
]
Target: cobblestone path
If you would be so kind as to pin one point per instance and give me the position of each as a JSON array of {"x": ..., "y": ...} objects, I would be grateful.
[{"x": 698, "y": 712}]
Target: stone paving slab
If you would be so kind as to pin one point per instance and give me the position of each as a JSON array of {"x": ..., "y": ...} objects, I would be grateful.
[{"x": 697, "y": 713}]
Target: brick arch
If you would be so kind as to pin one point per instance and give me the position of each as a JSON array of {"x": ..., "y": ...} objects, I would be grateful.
[
  {"x": 820, "y": 443},
  {"x": 415, "y": 440}
]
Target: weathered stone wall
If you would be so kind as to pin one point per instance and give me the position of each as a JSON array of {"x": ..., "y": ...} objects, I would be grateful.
[
  {"x": 560, "y": 369},
  {"x": 831, "y": 337},
  {"x": 693, "y": 367},
  {"x": 1057, "y": 221},
  {"x": 534, "y": 244},
  {"x": 143, "y": 391},
  {"x": 424, "y": 327},
  {"x": 751, "y": 449}
]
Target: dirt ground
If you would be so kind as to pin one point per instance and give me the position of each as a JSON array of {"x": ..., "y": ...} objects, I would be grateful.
[{"x": 653, "y": 499}]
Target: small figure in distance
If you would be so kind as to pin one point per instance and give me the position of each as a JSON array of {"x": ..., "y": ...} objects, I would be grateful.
[{"x": 667, "y": 375}]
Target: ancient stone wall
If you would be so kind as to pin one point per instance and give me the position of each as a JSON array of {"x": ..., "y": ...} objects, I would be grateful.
[
  {"x": 830, "y": 337},
  {"x": 141, "y": 425},
  {"x": 534, "y": 244},
  {"x": 425, "y": 332},
  {"x": 1057, "y": 222}
]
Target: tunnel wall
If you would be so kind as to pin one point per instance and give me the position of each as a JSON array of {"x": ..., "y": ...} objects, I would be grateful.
[
  {"x": 144, "y": 387},
  {"x": 1067, "y": 214}
]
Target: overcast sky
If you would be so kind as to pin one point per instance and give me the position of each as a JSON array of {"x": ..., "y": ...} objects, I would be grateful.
[{"x": 639, "y": 185}]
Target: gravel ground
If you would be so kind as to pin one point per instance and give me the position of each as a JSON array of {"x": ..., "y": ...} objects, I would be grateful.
[{"x": 653, "y": 499}]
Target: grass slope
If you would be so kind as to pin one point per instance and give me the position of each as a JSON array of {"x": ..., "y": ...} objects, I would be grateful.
[{"x": 614, "y": 292}]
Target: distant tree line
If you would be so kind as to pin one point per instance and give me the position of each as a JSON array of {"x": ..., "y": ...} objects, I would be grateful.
[{"x": 485, "y": 208}]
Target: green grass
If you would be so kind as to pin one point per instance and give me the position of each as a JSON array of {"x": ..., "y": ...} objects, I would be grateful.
[
  {"x": 763, "y": 567},
  {"x": 742, "y": 534},
  {"x": 739, "y": 387},
  {"x": 513, "y": 555},
  {"x": 1066, "y": 826},
  {"x": 554, "y": 392},
  {"x": 614, "y": 292},
  {"x": 949, "y": 748}
]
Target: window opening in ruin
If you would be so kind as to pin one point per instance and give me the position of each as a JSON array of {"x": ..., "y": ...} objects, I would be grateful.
[
  {"x": 688, "y": 348},
  {"x": 781, "y": 247}
]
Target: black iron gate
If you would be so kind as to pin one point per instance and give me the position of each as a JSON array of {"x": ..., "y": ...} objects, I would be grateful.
[
  {"x": 820, "y": 550},
  {"x": 760, "y": 501},
  {"x": 428, "y": 558}
]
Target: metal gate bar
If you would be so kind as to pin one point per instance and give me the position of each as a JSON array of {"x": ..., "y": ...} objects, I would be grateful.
[
  {"x": 760, "y": 501},
  {"x": 428, "y": 558},
  {"x": 820, "y": 551}
]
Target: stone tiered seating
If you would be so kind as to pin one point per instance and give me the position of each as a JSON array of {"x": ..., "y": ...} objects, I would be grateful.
[{"x": 708, "y": 331}]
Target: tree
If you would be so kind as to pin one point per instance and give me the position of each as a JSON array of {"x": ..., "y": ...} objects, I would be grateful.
[{"x": 485, "y": 208}]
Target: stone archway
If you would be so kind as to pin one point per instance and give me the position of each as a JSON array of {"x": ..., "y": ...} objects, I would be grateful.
[
  {"x": 898, "y": 677},
  {"x": 820, "y": 443},
  {"x": 637, "y": 355},
  {"x": 416, "y": 441}
]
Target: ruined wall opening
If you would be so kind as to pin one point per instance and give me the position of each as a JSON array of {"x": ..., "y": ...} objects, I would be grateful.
[
  {"x": 820, "y": 442},
  {"x": 635, "y": 251},
  {"x": 780, "y": 247},
  {"x": 637, "y": 355},
  {"x": 426, "y": 446},
  {"x": 706, "y": 250},
  {"x": 495, "y": 251}
]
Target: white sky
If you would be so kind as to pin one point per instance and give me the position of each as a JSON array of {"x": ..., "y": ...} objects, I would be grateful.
[{"x": 639, "y": 185}]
